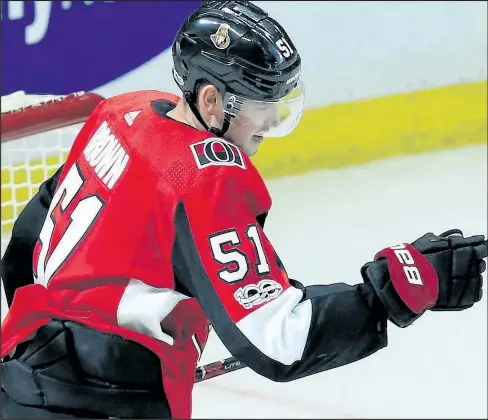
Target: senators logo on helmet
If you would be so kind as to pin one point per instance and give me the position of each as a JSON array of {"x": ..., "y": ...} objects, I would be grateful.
[
  {"x": 221, "y": 38},
  {"x": 217, "y": 152}
]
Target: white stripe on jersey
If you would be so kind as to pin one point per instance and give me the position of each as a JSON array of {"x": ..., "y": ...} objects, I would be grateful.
[
  {"x": 279, "y": 329},
  {"x": 142, "y": 308},
  {"x": 197, "y": 345}
]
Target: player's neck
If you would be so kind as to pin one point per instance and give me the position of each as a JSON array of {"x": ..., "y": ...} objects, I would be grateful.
[{"x": 183, "y": 114}]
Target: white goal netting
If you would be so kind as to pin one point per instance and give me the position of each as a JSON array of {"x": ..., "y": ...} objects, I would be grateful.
[{"x": 36, "y": 134}]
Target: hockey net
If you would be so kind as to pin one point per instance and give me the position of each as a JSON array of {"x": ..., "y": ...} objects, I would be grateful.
[{"x": 37, "y": 132}]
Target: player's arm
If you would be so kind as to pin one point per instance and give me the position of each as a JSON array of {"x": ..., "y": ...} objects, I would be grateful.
[
  {"x": 285, "y": 331},
  {"x": 16, "y": 267},
  {"x": 276, "y": 326}
]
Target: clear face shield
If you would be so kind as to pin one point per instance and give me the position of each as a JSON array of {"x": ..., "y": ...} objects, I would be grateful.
[{"x": 266, "y": 118}]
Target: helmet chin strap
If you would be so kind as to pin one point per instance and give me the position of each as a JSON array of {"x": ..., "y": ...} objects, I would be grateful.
[{"x": 219, "y": 132}]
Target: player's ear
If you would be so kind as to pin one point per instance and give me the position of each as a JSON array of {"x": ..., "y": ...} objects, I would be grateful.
[{"x": 211, "y": 100}]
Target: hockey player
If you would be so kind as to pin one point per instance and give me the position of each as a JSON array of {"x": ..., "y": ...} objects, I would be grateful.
[{"x": 153, "y": 230}]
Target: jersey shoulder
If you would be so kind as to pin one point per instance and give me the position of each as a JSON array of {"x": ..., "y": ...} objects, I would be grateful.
[
  {"x": 119, "y": 103},
  {"x": 211, "y": 171},
  {"x": 125, "y": 115}
]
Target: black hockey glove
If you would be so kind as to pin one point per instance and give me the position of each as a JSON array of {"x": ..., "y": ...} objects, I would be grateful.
[{"x": 441, "y": 273}]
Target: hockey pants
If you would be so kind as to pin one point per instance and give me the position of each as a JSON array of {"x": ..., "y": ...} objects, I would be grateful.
[{"x": 71, "y": 371}]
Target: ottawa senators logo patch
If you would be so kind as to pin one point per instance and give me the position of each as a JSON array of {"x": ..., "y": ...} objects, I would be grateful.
[{"x": 217, "y": 152}]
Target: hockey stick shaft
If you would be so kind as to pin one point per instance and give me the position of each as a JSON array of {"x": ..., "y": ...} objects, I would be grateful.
[{"x": 218, "y": 368}]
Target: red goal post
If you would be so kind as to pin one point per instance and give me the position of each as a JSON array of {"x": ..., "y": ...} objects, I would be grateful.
[{"x": 37, "y": 132}]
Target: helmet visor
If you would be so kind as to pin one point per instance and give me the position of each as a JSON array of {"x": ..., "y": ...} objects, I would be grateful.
[{"x": 267, "y": 118}]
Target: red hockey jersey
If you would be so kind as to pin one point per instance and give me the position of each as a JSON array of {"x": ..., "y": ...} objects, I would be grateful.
[{"x": 153, "y": 234}]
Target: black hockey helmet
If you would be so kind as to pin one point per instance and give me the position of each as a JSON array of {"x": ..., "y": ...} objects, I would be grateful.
[{"x": 247, "y": 56}]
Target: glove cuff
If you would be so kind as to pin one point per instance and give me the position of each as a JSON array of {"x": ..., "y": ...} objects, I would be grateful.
[{"x": 376, "y": 273}]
